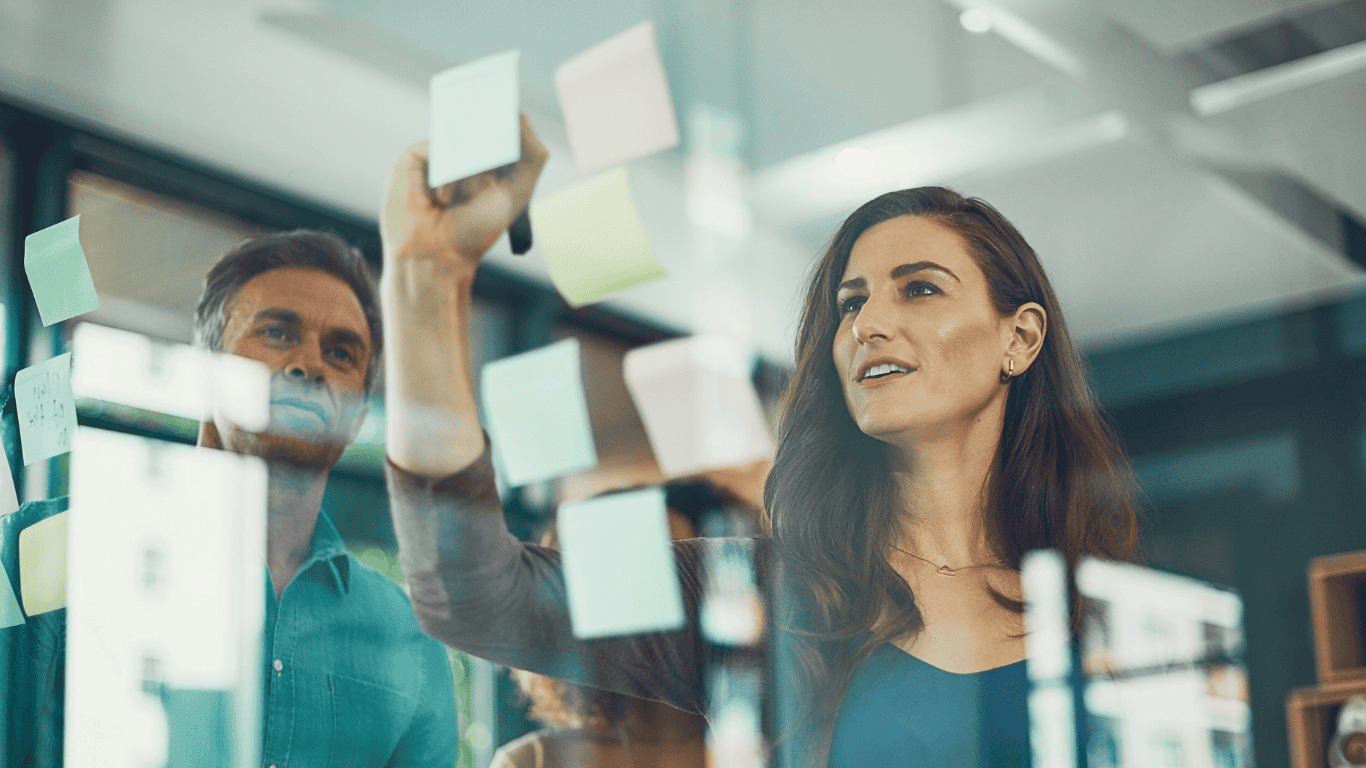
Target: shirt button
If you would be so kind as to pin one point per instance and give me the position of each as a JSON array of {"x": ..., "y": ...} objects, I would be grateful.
[{"x": 279, "y": 665}]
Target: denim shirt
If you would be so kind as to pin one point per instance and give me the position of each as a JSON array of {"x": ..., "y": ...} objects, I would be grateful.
[
  {"x": 32, "y": 660},
  {"x": 350, "y": 679}
]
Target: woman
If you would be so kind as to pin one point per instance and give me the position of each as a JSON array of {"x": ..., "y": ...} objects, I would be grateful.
[{"x": 937, "y": 426}]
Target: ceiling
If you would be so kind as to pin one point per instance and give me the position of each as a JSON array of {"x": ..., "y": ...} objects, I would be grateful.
[{"x": 1167, "y": 178}]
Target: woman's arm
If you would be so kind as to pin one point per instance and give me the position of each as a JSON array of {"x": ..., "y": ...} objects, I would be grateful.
[{"x": 473, "y": 585}]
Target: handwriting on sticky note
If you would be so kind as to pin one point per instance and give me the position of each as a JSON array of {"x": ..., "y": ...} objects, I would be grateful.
[
  {"x": 42, "y": 565},
  {"x": 698, "y": 406},
  {"x": 618, "y": 565},
  {"x": 474, "y": 119},
  {"x": 593, "y": 239},
  {"x": 47, "y": 410},
  {"x": 10, "y": 613},
  {"x": 58, "y": 272},
  {"x": 537, "y": 414},
  {"x": 616, "y": 101}
]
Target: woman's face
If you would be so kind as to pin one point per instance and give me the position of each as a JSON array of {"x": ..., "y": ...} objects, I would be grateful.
[{"x": 920, "y": 348}]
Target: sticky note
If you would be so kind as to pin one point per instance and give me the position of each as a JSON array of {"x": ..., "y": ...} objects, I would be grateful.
[
  {"x": 130, "y": 369},
  {"x": 618, "y": 565},
  {"x": 46, "y": 408},
  {"x": 593, "y": 239},
  {"x": 616, "y": 101},
  {"x": 58, "y": 272},
  {"x": 537, "y": 414},
  {"x": 166, "y": 592},
  {"x": 10, "y": 614},
  {"x": 42, "y": 564},
  {"x": 474, "y": 119},
  {"x": 698, "y": 404}
]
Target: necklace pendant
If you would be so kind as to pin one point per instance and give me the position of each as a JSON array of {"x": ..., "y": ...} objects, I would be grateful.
[{"x": 944, "y": 570}]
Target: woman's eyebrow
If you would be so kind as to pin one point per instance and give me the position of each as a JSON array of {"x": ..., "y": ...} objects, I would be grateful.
[
  {"x": 857, "y": 282},
  {"x": 906, "y": 269}
]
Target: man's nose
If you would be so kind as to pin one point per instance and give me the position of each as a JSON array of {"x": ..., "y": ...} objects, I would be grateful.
[{"x": 306, "y": 366}]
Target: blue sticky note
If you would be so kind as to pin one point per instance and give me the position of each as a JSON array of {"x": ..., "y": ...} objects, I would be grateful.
[
  {"x": 618, "y": 565},
  {"x": 58, "y": 272},
  {"x": 46, "y": 408},
  {"x": 474, "y": 119},
  {"x": 10, "y": 615},
  {"x": 537, "y": 415}
]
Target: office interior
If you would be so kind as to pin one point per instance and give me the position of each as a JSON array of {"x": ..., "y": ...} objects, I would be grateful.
[{"x": 1191, "y": 172}]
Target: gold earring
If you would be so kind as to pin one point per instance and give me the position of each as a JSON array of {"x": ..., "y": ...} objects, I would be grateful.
[{"x": 1005, "y": 376}]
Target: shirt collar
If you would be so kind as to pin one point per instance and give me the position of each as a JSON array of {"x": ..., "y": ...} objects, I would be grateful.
[{"x": 328, "y": 548}]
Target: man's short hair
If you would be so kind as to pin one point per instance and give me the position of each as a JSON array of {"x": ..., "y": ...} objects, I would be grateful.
[{"x": 302, "y": 248}]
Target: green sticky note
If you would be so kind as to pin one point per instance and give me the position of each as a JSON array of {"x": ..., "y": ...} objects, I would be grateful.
[
  {"x": 46, "y": 408},
  {"x": 593, "y": 239},
  {"x": 42, "y": 565},
  {"x": 474, "y": 119},
  {"x": 619, "y": 568},
  {"x": 10, "y": 615},
  {"x": 58, "y": 272},
  {"x": 537, "y": 415}
]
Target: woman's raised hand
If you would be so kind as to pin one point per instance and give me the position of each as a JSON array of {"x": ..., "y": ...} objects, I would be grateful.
[{"x": 461, "y": 220}]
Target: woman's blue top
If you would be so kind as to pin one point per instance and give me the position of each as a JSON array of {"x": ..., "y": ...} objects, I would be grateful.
[{"x": 901, "y": 711}]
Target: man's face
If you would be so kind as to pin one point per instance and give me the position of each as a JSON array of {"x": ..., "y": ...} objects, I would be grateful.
[{"x": 308, "y": 327}]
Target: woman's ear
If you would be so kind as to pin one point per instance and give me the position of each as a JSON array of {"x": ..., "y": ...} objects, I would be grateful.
[
  {"x": 208, "y": 435},
  {"x": 1028, "y": 327}
]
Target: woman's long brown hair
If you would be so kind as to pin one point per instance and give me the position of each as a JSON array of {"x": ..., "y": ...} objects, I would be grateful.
[{"x": 1060, "y": 478}]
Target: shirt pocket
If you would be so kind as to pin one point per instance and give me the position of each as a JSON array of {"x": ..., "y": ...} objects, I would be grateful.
[{"x": 368, "y": 720}]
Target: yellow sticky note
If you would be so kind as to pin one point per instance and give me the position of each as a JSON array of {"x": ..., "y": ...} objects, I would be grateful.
[
  {"x": 42, "y": 565},
  {"x": 593, "y": 239}
]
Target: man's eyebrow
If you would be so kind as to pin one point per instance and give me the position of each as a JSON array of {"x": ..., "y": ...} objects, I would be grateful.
[
  {"x": 900, "y": 271},
  {"x": 346, "y": 336},
  {"x": 278, "y": 314}
]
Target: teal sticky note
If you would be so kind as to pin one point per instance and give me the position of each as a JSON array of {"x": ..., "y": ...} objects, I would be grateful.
[
  {"x": 46, "y": 408},
  {"x": 474, "y": 119},
  {"x": 10, "y": 614},
  {"x": 537, "y": 415},
  {"x": 58, "y": 272},
  {"x": 619, "y": 569}
]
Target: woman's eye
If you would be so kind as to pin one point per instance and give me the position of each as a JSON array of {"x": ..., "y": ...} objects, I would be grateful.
[
  {"x": 342, "y": 354},
  {"x": 919, "y": 288},
  {"x": 273, "y": 333},
  {"x": 851, "y": 304}
]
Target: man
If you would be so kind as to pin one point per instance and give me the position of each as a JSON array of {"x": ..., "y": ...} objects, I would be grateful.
[{"x": 349, "y": 678}]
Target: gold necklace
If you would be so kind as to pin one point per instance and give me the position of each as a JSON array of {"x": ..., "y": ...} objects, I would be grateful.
[{"x": 944, "y": 570}]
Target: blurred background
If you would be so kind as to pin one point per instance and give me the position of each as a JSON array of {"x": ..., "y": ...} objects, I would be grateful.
[{"x": 1191, "y": 172}]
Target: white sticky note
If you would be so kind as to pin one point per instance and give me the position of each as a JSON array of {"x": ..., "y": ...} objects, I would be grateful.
[
  {"x": 58, "y": 272},
  {"x": 618, "y": 565},
  {"x": 537, "y": 415},
  {"x": 46, "y": 408},
  {"x": 698, "y": 404},
  {"x": 130, "y": 369},
  {"x": 42, "y": 564},
  {"x": 167, "y": 582},
  {"x": 10, "y": 613},
  {"x": 593, "y": 239},
  {"x": 616, "y": 101},
  {"x": 474, "y": 119}
]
